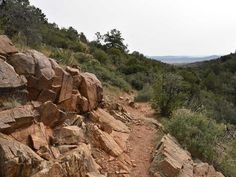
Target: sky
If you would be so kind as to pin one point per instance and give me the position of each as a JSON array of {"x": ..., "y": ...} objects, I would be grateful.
[{"x": 153, "y": 27}]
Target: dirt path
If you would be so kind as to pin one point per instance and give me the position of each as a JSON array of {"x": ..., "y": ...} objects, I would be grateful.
[{"x": 142, "y": 140}]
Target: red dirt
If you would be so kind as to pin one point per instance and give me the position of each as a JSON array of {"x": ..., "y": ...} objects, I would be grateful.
[{"x": 142, "y": 140}]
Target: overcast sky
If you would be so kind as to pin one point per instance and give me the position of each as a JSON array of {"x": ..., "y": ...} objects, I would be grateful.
[{"x": 153, "y": 27}]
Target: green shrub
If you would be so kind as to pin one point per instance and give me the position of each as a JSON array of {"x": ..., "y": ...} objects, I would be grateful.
[
  {"x": 63, "y": 56},
  {"x": 196, "y": 132},
  {"x": 106, "y": 75},
  {"x": 168, "y": 93},
  {"x": 145, "y": 94},
  {"x": 101, "y": 56},
  {"x": 228, "y": 165}
]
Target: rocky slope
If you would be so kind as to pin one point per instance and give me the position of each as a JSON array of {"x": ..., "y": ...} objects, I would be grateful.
[{"x": 64, "y": 128}]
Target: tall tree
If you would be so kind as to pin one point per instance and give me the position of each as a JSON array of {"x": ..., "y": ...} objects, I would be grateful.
[{"x": 113, "y": 39}]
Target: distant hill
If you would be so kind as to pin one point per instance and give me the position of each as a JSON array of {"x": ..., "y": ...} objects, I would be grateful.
[{"x": 184, "y": 59}]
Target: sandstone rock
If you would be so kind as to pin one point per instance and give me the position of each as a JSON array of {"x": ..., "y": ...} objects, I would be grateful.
[
  {"x": 66, "y": 88},
  {"x": 79, "y": 162},
  {"x": 38, "y": 140},
  {"x": 82, "y": 104},
  {"x": 55, "y": 152},
  {"x": 94, "y": 175},
  {"x": 9, "y": 78},
  {"x": 100, "y": 116},
  {"x": 41, "y": 83},
  {"x": 43, "y": 65},
  {"x": 70, "y": 135},
  {"x": 170, "y": 160},
  {"x": 121, "y": 139},
  {"x": 22, "y": 63},
  {"x": 106, "y": 142},
  {"x": 39, "y": 131},
  {"x": 205, "y": 170},
  {"x": 70, "y": 104},
  {"x": 50, "y": 115},
  {"x": 18, "y": 117},
  {"x": 73, "y": 71},
  {"x": 91, "y": 88},
  {"x": 6, "y": 46},
  {"x": 17, "y": 159},
  {"x": 51, "y": 170},
  {"x": 66, "y": 148},
  {"x": 76, "y": 120},
  {"x": 47, "y": 95}
]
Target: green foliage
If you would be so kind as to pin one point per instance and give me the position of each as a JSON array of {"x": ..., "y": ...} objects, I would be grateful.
[
  {"x": 168, "y": 93},
  {"x": 196, "y": 132},
  {"x": 228, "y": 164},
  {"x": 144, "y": 95},
  {"x": 65, "y": 57},
  {"x": 113, "y": 39},
  {"x": 100, "y": 55},
  {"x": 106, "y": 75},
  {"x": 18, "y": 17}
]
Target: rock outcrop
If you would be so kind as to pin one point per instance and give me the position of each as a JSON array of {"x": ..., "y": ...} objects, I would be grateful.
[
  {"x": 17, "y": 159},
  {"x": 16, "y": 118},
  {"x": 170, "y": 160}
]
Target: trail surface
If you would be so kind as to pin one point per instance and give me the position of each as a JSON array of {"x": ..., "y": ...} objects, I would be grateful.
[{"x": 142, "y": 139}]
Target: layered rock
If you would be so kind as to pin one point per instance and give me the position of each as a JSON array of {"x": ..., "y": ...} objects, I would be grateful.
[
  {"x": 17, "y": 159},
  {"x": 102, "y": 117},
  {"x": 170, "y": 160},
  {"x": 15, "y": 118},
  {"x": 105, "y": 141}
]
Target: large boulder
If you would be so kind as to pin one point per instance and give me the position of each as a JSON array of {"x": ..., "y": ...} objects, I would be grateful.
[
  {"x": 79, "y": 162},
  {"x": 17, "y": 159},
  {"x": 105, "y": 141},
  {"x": 6, "y": 46},
  {"x": 70, "y": 135},
  {"x": 91, "y": 88},
  {"x": 23, "y": 64},
  {"x": 35, "y": 136},
  {"x": 18, "y": 117},
  {"x": 170, "y": 158},
  {"x": 43, "y": 65},
  {"x": 50, "y": 115},
  {"x": 9, "y": 78},
  {"x": 66, "y": 87}
]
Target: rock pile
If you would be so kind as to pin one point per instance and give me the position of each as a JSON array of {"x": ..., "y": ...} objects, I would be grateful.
[{"x": 57, "y": 130}]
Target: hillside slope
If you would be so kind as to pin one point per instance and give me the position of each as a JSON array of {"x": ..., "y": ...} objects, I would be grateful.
[{"x": 63, "y": 127}]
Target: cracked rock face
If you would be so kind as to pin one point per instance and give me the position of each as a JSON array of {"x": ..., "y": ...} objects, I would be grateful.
[
  {"x": 171, "y": 160},
  {"x": 17, "y": 159},
  {"x": 9, "y": 78}
]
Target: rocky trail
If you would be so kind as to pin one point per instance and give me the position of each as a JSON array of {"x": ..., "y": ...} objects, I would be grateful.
[
  {"x": 57, "y": 121},
  {"x": 142, "y": 140}
]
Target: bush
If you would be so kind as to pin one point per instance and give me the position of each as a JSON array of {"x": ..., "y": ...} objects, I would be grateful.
[
  {"x": 101, "y": 56},
  {"x": 196, "y": 132},
  {"x": 145, "y": 94},
  {"x": 168, "y": 93},
  {"x": 106, "y": 75},
  {"x": 63, "y": 56}
]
